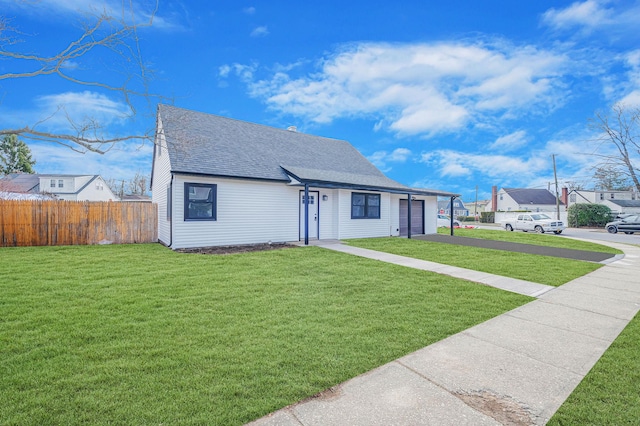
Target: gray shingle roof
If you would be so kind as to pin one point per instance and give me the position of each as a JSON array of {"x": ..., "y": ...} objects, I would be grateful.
[
  {"x": 20, "y": 182},
  {"x": 531, "y": 196},
  {"x": 626, "y": 203},
  {"x": 207, "y": 144}
]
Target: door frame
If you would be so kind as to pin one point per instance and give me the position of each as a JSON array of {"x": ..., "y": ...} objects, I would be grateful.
[{"x": 312, "y": 211}]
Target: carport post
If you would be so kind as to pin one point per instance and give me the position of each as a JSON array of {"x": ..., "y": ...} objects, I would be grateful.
[
  {"x": 451, "y": 217},
  {"x": 306, "y": 214},
  {"x": 409, "y": 216}
]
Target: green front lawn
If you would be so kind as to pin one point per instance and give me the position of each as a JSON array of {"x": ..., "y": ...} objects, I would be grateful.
[
  {"x": 138, "y": 334},
  {"x": 610, "y": 393},
  {"x": 539, "y": 269}
]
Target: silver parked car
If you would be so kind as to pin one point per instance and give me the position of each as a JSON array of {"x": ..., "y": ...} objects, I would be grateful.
[
  {"x": 445, "y": 221},
  {"x": 628, "y": 225}
]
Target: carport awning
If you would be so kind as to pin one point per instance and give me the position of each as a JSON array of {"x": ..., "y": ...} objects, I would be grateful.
[{"x": 342, "y": 180}]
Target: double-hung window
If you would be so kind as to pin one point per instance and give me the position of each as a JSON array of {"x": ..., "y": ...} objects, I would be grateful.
[
  {"x": 200, "y": 201},
  {"x": 365, "y": 206}
]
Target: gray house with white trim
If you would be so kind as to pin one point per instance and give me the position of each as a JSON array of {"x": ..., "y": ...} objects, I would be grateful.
[{"x": 219, "y": 181}]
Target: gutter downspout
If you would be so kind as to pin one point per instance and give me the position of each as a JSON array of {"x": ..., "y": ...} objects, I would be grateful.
[{"x": 170, "y": 206}]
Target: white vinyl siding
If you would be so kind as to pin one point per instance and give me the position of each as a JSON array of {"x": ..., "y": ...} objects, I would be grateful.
[
  {"x": 97, "y": 190},
  {"x": 359, "y": 228},
  {"x": 328, "y": 210},
  {"x": 161, "y": 180},
  {"x": 430, "y": 214},
  {"x": 248, "y": 212},
  {"x": 394, "y": 214}
]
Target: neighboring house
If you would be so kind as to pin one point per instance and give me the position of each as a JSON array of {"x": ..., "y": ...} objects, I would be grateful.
[
  {"x": 618, "y": 201},
  {"x": 219, "y": 181},
  {"x": 478, "y": 206},
  {"x": 524, "y": 199},
  {"x": 135, "y": 198},
  {"x": 62, "y": 187},
  {"x": 444, "y": 207}
]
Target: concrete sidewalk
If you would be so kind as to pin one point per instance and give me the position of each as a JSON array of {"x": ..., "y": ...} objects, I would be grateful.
[{"x": 517, "y": 368}]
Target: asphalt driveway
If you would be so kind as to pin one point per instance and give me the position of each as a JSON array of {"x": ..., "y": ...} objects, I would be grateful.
[{"x": 589, "y": 256}]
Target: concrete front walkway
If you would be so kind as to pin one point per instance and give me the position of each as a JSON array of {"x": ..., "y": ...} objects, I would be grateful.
[{"x": 517, "y": 368}]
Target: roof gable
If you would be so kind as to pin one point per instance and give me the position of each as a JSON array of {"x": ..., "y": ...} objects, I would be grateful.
[{"x": 207, "y": 144}]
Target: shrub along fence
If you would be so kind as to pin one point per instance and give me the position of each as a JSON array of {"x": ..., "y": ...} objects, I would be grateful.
[{"x": 57, "y": 223}]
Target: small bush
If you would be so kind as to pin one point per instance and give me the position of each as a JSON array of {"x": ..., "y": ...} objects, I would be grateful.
[
  {"x": 466, "y": 219},
  {"x": 593, "y": 215},
  {"x": 487, "y": 217}
]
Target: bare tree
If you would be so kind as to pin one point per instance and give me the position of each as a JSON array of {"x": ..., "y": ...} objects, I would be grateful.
[
  {"x": 116, "y": 186},
  {"x": 138, "y": 184},
  {"x": 620, "y": 130},
  {"x": 609, "y": 177},
  {"x": 111, "y": 34}
]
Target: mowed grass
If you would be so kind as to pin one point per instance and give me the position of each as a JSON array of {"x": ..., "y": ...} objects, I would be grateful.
[
  {"x": 610, "y": 393},
  {"x": 138, "y": 334},
  {"x": 548, "y": 240},
  {"x": 539, "y": 269}
]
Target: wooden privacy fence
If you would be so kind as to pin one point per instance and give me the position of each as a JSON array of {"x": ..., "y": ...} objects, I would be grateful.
[{"x": 57, "y": 223}]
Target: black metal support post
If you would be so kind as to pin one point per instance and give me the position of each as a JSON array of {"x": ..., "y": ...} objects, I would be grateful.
[
  {"x": 451, "y": 217},
  {"x": 409, "y": 216},
  {"x": 306, "y": 214}
]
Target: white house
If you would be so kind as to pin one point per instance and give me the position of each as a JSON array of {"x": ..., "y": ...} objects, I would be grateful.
[
  {"x": 61, "y": 187},
  {"x": 219, "y": 181},
  {"x": 617, "y": 201}
]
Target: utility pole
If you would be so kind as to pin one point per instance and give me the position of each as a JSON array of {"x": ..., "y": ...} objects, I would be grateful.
[
  {"x": 555, "y": 176},
  {"x": 475, "y": 206}
]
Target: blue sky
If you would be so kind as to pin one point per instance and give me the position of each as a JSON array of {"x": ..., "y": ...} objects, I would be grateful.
[{"x": 445, "y": 95}]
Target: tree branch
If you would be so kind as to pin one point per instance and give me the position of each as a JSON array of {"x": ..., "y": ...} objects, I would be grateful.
[{"x": 117, "y": 34}]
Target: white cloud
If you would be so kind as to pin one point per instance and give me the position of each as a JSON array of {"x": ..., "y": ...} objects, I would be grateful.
[
  {"x": 139, "y": 11},
  {"x": 249, "y": 10},
  {"x": 121, "y": 162},
  {"x": 632, "y": 99},
  {"x": 224, "y": 71},
  {"x": 381, "y": 158},
  {"x": 452, "y": 163},
  {"x": 261, "y": 31},
  {"x": 510, "y": 142},
  {"x": 399, "y": 155},
  {"x": 613, "y": 19},
  {"x": 423, "y": 88},
  {"x": 589, "y": 13},
  {"x": 57, "y": 110},
  {"x": 631, "y": 89}
]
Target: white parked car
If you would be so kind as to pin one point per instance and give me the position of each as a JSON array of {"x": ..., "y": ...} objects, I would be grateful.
[
  {"x": 444, "y": 220},
  {"x": 536, "y": 222}
]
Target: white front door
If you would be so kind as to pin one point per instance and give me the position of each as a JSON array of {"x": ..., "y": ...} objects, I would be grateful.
[{"x": 313, "y": 214}]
